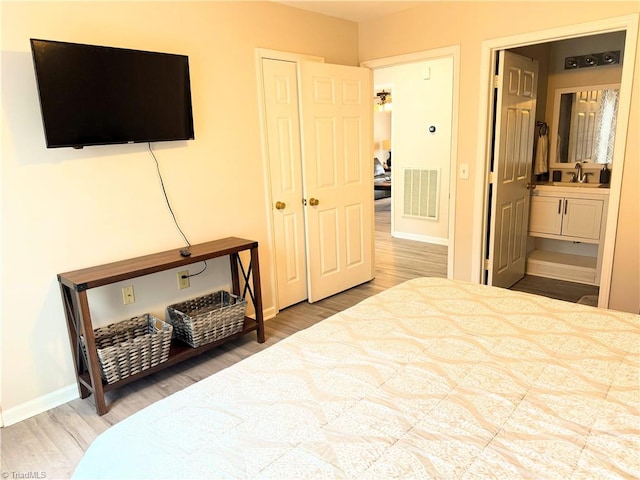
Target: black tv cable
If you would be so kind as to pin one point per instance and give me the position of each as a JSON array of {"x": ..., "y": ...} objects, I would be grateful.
[{"x": 175, "y": 220}]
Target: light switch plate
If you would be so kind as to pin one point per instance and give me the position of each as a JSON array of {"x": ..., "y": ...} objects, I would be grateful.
[{"x": 464, "y": 171}]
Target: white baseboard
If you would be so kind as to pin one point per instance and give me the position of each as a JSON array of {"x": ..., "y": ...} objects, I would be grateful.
[
  {"x": 421, "y": 238},
  {"x": 39, "y": 405},
  {"x": 269, "y": 313}
]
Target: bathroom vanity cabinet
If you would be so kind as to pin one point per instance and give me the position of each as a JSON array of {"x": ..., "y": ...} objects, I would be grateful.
[
  {"x": 566, "y": 218},
  {"x": 568, "y": 225}
]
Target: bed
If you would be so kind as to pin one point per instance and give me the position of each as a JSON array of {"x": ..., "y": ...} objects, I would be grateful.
[{"x": 432, "y": 378}]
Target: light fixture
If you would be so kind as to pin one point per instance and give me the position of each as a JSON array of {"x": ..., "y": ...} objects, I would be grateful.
[
  {"x": 570, "y": 62},
  {"x": 592, "y": 60},
  {"x": 384, "y": 101}
]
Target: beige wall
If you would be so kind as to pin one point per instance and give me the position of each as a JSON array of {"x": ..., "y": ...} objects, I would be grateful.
[
  {"x": 440, "y": 24},
  {"x": 65, "y": 209},
  {"x": 422, "y": 96},
  {"x": 625, "y": 287}
]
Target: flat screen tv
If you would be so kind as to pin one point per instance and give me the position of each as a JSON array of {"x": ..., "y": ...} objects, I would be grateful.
[{"x": 95, "y": 95}]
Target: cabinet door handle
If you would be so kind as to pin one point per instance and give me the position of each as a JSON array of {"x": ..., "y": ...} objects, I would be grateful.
[
  {"x": 559, "y": 206},
  {"x": 566, "y": 202}
]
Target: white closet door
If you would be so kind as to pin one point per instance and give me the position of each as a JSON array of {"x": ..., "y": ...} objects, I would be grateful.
[
  {"x": 336, "y": 121},
  {"x": 285, "y": 171}
]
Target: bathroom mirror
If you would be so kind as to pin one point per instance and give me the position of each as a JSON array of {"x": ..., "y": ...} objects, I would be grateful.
[{"x": 584, "y": 120}]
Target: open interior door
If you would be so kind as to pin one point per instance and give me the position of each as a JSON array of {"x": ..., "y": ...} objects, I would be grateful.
[
  {"x": 516, "y": 84},
  {"x": 336, "y": 118}
]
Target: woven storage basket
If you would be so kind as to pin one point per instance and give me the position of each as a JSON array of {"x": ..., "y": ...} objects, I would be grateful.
[
  {"x": 128, "y": 347},
  {"x": 209, "y": 318}
]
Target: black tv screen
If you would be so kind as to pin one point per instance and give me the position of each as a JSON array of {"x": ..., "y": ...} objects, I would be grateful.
[{"x": 95, "y": 95}]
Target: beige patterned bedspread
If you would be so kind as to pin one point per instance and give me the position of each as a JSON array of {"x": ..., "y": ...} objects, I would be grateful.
[{"x": 429, "y": 379}]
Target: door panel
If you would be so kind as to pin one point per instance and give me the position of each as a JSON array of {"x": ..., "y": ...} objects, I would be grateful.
[
  {"x": 520, "y": 225},
  {"x": 291, "y": 234},
  {"x": 355, "y": 235},
  {"x": 352, "y": 151},
  {"x": 337, "y": 142},
  {"x": 513, "y": 147},
  {"x": 328, "y": 242},
  {"x": 503, "y": 245},
  {"x": 285, "y": 168},
  {"x": 326, "y": 170}
]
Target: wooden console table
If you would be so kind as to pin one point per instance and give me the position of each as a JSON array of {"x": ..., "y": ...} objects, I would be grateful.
[{"x": 74, "y": 286}]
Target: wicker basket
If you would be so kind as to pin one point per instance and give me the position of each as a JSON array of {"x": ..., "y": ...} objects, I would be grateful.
[
  {"x": 209, "y": 318},
  {"x": 128, "y": 347}
]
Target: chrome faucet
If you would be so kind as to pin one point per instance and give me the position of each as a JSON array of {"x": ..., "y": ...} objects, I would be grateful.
[{"x": 581, "y": 177}]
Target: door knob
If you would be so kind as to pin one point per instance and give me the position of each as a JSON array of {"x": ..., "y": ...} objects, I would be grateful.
[
  {"x": 314, "y": 202},
  {"x": 280, "y": 205},
  {"x": 531, "y": 186}
]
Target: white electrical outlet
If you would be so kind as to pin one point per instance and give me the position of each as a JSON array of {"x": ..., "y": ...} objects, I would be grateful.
[
  {"x": 127, "y": 295},
  {"x": 183, "y": 279}
]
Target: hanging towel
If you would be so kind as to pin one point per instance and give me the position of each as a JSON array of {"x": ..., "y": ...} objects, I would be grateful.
[{"x": 541, "y": 163}]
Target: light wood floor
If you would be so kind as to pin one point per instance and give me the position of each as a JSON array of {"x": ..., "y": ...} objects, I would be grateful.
[{"x": 53, "y": 442}]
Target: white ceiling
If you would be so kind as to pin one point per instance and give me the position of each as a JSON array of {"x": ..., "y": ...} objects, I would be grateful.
[{"x": 356, "y": 11}]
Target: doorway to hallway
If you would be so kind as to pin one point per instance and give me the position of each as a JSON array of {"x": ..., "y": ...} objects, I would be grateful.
[{"x": 420, "y": 139}]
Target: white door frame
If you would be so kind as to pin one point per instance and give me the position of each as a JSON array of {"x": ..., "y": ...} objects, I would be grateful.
[
  {"x": 489, "y": 48},
  {"x": 454, "y": 53},
  {"x": 260, "y": 54}
]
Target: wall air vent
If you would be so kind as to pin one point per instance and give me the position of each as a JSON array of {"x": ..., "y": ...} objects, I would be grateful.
[{"x": 421, "y": 193}]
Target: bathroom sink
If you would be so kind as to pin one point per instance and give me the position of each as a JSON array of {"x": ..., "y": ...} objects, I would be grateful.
[{"x": 578, "y": 185}]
